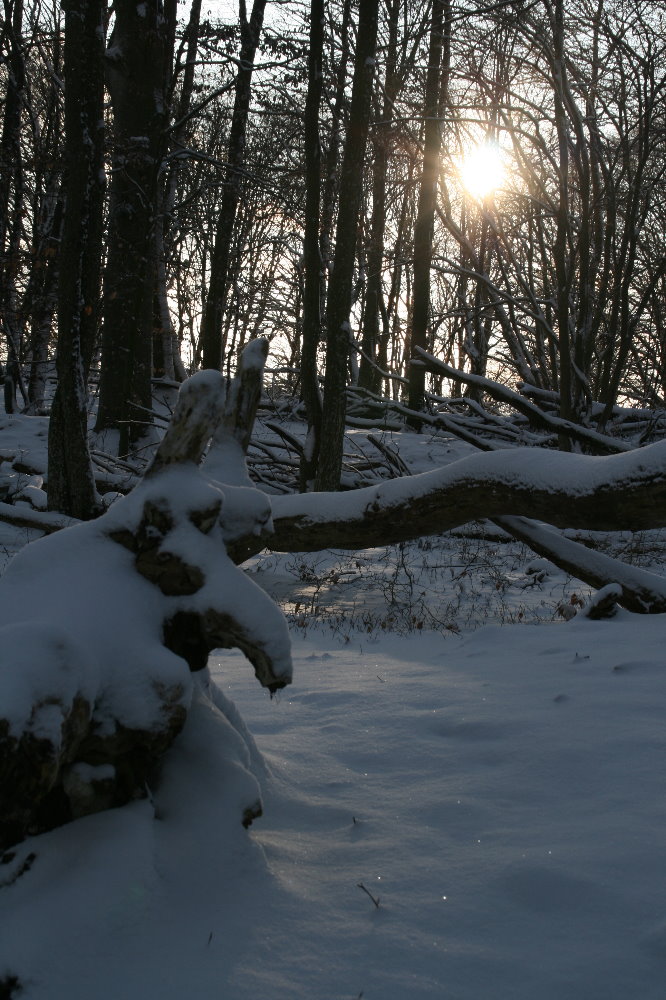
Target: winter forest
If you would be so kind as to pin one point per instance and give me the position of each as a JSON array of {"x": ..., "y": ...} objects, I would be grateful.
[{"x": 333, "y": 349}]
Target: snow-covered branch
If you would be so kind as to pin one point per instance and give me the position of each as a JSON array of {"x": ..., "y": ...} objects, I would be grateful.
[
  {"x": 599, "y": 443},
  {"x": 606, "y": 493}
]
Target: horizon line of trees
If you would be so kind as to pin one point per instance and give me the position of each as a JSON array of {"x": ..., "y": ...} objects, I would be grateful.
[{"x": 174, "y": 188}]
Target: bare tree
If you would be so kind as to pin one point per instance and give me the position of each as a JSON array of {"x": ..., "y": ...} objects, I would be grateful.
[
  {"x": 136, "y": 61},
  {"x": 212, "y": 322},
  {"x": 70, "y": 479},
  {"x": 435, "y": 96},
  {"x": 312, "y": 259},
  {"x": 340, "y": 284}
]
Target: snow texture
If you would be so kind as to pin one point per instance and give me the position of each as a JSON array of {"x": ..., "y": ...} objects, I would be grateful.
[
  {"x": 76, "y": 616},
  {"x": 522, "y": 468},
  {"x": 499, "y": 794}
]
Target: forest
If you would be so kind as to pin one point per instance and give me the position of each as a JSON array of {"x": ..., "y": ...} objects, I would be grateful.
[{"x": 365, "y": 303}]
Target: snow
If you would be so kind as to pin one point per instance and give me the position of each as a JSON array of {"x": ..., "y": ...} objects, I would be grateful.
[
  {"x": 497, "y": 790},
  {"x": 500, "y": 794},
  {"x": 254, "y": 355},
  {"x": 526, "y": 469},
  {"x": 48, "y": 666},
  {"x": 84, "y": 586},
  {"x": 24, "y": 439}
]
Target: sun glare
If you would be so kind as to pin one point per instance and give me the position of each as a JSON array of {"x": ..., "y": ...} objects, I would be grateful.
[{"x": 482, "y": 170}]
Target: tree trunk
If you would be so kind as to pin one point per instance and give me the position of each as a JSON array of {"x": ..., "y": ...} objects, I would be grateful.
[
  {"x": 613, "y": 493},
  {"x": 136, "y": 60},
  {"x": 172, "y": 363},
  {"x": 214, "y": 311},
  {"x": 44, "y": 303},
  {"x": 331, "y": 172},
  {"x": 313, "y": 265},
  {"x": 12, "y": 193},
  {"x": 436, "y": 86},
  {"x": 369, "y": 377},
  {"x": 340, "y": 284},
  {"x": 71, "y": 486}
]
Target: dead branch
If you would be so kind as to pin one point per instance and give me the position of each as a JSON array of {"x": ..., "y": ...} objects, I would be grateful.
[{"x": 598, "y": 442}]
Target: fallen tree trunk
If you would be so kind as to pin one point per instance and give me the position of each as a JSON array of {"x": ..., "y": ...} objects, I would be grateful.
[
  {"x": 608, "y": 493},
  {"x": 612, "y": 493},
  {"x": 639, "y": 590}
]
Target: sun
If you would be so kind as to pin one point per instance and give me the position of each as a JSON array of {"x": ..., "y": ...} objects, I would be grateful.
[{"x": 481, "y": 170}]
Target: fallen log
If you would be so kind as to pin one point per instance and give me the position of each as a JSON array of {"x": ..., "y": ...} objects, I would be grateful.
[{"x": 606, "y": 493}]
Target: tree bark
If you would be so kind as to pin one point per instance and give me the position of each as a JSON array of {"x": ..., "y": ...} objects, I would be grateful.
[
  {"x": 340, "y": 284},
  {"x": 313, "y": 264},
  {"x": 215, "y": 307},
  {"x": 369, "y": 376},
  {"x": 12, "y": 193},
  {"x": 436, "y": 85},
  {"x": 71, "y": 485},
  {"x": 166, "y": 338},
  {"x": 609, "y": 493},
  {"x": 136, "y": 59}
]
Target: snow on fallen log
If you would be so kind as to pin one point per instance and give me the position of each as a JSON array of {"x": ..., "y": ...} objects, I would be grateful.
[
  {"x": 604, "y": 493},
  {"x": 103, "y": 624},
  {"x": 635, "y": 589},
  {"x": 566, "y": 490}
]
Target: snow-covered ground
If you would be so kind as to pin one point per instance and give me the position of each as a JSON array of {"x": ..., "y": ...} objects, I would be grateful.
[
  {"x": 455, "y": 807},
  {"x": 500, "y": 794}
]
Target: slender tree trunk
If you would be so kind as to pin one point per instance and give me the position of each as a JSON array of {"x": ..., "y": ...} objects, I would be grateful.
[
  {"x": 43, "y": 304},
  {"x": 436, "y": 83},
  {"x": 369, "y": 377},
  {"x": 71, "y": 486},
  {"x": 563, "y": 269},
  {"x": 312, "y": 327},
  {"x": 331, "y": 175},
  {"x": 166, "y": 345},
  {"x": 340, "y": 285},
  {"x": 12, "y": 194},
  {"x": 213, "y": 317}
]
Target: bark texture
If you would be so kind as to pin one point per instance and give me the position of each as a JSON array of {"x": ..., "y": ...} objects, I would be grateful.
[
  {"x": 339, "y": 303},
  {"x": 71, "y": 482},
  {"x": 135, "y": 74},
  {"x": 212, "y": 321},
  {"x": 312, "y": 259},
  {"x": 436, "y": 84},
  {"x": 611, "y": 493}
]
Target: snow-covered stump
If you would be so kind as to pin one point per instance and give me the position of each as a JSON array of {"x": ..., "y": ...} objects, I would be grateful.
[{"x": 103, "y": 624}]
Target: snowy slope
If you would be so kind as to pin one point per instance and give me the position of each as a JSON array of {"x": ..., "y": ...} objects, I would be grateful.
[{"x": 500, "y": 794}]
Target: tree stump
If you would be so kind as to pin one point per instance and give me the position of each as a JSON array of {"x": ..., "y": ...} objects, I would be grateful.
[{"x": 103, "y": 623}]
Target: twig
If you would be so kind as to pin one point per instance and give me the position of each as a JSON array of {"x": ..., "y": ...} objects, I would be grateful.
[{"x": 360, "y": 885}]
